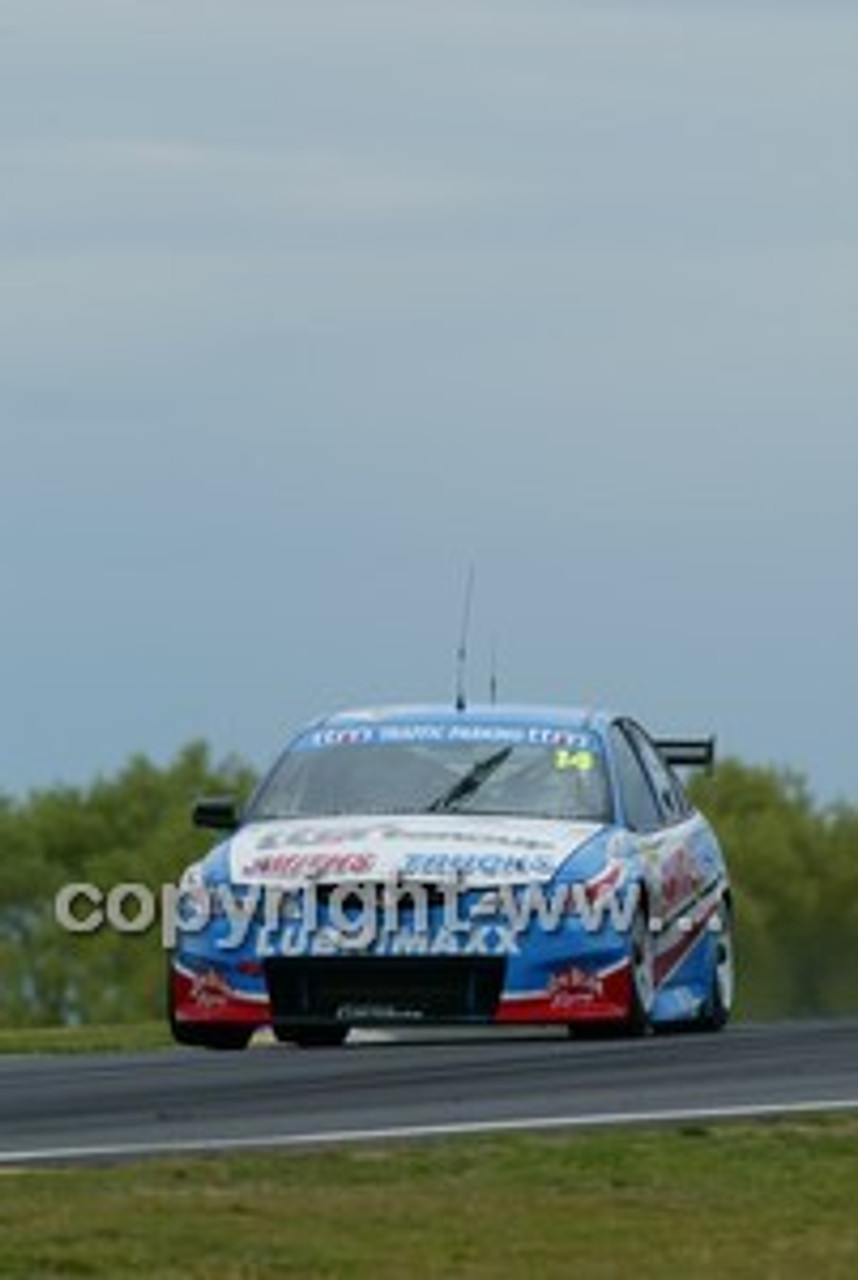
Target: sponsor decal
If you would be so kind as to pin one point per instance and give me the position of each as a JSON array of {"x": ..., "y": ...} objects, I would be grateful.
[
  {"x": 493, "y": 866},
  {"x": 574, "y": 986},
  {"x": 377, "y": 1013},
  {"x": 296, "y": 834},
  {"x": 428, "y": 846},
  {"x": 581, "y": 761},
  {"x": 308, "y": 866},
  {"x": 429, "y": 731},
  {"x": 572, "y": 997},
  {"x": 338, "y": 738},
  {"x": 680, "y": 878},
  {"x": 328, "y": 940},
  {"x": 209, "y": 990}
]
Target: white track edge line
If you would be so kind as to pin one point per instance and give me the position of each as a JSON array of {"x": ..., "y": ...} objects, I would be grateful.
[{"x": 204, "y": 1146}]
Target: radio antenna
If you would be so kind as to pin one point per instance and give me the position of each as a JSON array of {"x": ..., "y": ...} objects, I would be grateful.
[
  {"x": 462, "y": 651},
  {"x": 493, "y": 676}
]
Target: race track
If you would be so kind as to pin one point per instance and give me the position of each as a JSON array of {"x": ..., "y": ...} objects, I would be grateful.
[{"x": 112, "y": 1106}]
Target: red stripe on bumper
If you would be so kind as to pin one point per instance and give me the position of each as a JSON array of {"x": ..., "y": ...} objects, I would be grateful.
[{"x": 207, "y": 997}]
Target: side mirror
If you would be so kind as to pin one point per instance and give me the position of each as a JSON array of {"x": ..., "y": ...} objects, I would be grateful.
[{"x": 220, "y": 813}]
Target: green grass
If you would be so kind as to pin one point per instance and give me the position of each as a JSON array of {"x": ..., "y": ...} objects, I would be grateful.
[
  {"x": 754, "y": 1200},
  {"x": 118, "y": 1038}
]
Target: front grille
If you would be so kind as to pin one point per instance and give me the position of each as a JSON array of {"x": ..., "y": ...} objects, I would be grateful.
[{"x": 384, "y": 988}]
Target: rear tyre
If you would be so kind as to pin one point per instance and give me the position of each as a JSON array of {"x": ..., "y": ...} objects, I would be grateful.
[
  {"x": 718, "y": 1006},
  {"x": 311, "y": 1037}
]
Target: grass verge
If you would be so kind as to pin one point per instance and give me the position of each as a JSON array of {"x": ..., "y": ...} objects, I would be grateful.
[
  {"x": 119, "y": 1038},
  {"x": 753, "y": 1200}
]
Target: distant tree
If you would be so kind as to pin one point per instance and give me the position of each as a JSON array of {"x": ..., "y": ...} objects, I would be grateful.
[{"x": 132, "y": 828}]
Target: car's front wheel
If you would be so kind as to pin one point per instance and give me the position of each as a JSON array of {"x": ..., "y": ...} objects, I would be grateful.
[
  {"x": 211, "y": 1035},
  {"x": 719, "y": 1003},
  {"x": 641, "y": 975}
]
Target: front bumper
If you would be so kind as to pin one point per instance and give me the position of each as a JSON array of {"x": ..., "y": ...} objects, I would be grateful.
[{"x": 563, "y": 976}]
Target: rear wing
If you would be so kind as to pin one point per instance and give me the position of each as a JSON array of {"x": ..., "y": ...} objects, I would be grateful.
[{"x": 692, "y": 753}]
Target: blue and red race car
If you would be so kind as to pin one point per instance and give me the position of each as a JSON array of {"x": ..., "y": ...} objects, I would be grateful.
[{"x": 427, "y": 864}]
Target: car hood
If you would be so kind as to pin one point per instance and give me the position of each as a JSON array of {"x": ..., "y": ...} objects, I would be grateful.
[{"x": 476, "y": 851}]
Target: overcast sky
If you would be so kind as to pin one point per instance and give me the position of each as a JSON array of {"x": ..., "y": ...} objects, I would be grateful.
[{"x": 307, "y": 307}]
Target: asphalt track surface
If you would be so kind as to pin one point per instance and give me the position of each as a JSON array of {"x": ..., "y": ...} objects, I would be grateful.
[{"x": 417, "y": 1084}]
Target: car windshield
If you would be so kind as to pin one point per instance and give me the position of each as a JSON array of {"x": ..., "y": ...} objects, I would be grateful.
[{"x": 518, "y": 778}]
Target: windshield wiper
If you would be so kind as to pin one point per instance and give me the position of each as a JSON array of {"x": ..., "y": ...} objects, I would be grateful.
[{"x": 470, "y": 781}]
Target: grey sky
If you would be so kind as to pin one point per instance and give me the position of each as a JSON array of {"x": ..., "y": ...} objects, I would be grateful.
[{"x": 305, "y": 308}]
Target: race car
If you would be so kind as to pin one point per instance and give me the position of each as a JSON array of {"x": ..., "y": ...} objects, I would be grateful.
[{"x": 404, "y": 866}]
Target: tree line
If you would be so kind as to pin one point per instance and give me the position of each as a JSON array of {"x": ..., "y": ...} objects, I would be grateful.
[{"x": 794, "y": 868}]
